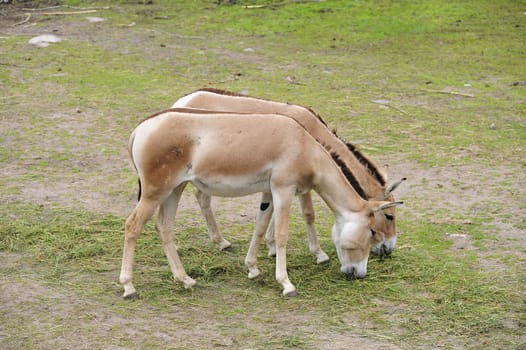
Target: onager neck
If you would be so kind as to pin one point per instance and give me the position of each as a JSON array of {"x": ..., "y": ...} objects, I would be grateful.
[{"x": 335, "y": 190}]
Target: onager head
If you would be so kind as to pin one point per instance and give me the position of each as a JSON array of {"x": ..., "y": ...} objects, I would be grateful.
[
  {"x": 384, "y": 241},
  {"x": 353, "y": 237}
]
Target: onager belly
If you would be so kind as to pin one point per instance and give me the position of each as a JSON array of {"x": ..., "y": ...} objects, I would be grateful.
[{"x": 232, "y": 186}]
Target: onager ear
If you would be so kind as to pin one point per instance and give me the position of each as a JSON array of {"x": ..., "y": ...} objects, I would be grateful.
[
  {"x": 393, "y": 187},
  {"x": 382, "y": 205}
]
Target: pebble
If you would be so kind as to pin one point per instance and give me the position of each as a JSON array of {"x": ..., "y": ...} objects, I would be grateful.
[
  {"x": 44, "y": 40},
  {"x": 460, "y": 241},
  {"x": 95, "y": 19}
]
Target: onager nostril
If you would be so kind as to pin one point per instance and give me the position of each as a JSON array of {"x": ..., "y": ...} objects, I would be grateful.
[
  {"x": 387, "y": 251},
  {"x": 350, "y": 275}
]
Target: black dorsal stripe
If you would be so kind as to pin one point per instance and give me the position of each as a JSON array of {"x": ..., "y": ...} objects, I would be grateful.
[
  {"x": 367, "y": 164},
  {"x": 349, "y": 175},
  {"x": 221, "y": 92}
]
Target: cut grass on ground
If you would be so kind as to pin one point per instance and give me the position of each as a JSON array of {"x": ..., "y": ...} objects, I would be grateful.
[{"x": 438, "y": 87}]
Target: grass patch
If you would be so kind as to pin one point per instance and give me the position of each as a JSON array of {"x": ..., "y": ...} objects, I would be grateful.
[
  {"x": 452, "y": 297},
  {"x": 336, "y": 50}
]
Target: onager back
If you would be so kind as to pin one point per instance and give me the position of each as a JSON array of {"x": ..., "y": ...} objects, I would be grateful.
[
  {"x": 224, "y": 154},
  {"x": 361, "y": 172}
]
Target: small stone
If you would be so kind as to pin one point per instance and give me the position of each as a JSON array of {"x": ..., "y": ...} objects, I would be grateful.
[
  {"x": 44, "y": 40},
  {"x": 460, "y": 241},
  {"x": 492, "y": 126},
  {"x": 95, "y": 19},
  {"x": 382, "y": 102}
]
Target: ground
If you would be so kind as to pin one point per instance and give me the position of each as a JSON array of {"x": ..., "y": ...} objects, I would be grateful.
[{"x": 42, "y": 311}]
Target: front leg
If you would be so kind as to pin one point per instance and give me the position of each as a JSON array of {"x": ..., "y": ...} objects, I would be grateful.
[
  {"x": 262, "y": 221},
  {"x": 282, "y": 203},
  {"x": 308, "y": 215}
]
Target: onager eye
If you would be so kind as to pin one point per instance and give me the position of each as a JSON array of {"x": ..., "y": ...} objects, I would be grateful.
[{"x": 389, "y": 217}]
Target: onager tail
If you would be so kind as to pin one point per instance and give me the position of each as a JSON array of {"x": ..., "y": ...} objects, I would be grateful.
[{"x": 130, "y": 146}]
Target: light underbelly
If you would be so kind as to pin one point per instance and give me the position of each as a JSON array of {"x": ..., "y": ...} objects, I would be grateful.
[{"x": 232, "y": 186}]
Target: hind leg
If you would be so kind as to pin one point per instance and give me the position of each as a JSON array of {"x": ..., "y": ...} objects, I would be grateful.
[
  {"x": 269, "y": 238},
  {"x": 140, "y": 215},
  {"x": 165, "y": 226},
  {"x": 216, "y": 236}
]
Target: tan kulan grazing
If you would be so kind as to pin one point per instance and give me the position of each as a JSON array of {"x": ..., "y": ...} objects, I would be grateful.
[{"x": 226, "y": 154}]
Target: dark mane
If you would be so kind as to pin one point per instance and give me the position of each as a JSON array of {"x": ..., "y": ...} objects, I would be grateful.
[
  {"x": 222, "y": 92},
  {"x": 367, "y": 164},
  {"x": 317, "y": 115},
  {"x": 230, "y": 93},
  {"x": 349, "y": 175}
]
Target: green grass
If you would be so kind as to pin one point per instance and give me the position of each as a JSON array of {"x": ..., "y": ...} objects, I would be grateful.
[
  {"x": 368, "y": 56},
  {"x": 453, "y": 297},
  {"x": 69, "y": 108}
]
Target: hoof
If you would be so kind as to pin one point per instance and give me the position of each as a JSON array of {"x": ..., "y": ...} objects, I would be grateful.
[
  {"x": 291, "y": 294},
  {"x": 189, "y": 283},
  {"x": 271, "y": 250},
  {"x": 323, "y": 259},
  {"x": 253, "y": 274},
  {"x": 131, "y": 296},
  {"x": 226, "y": 245}
]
